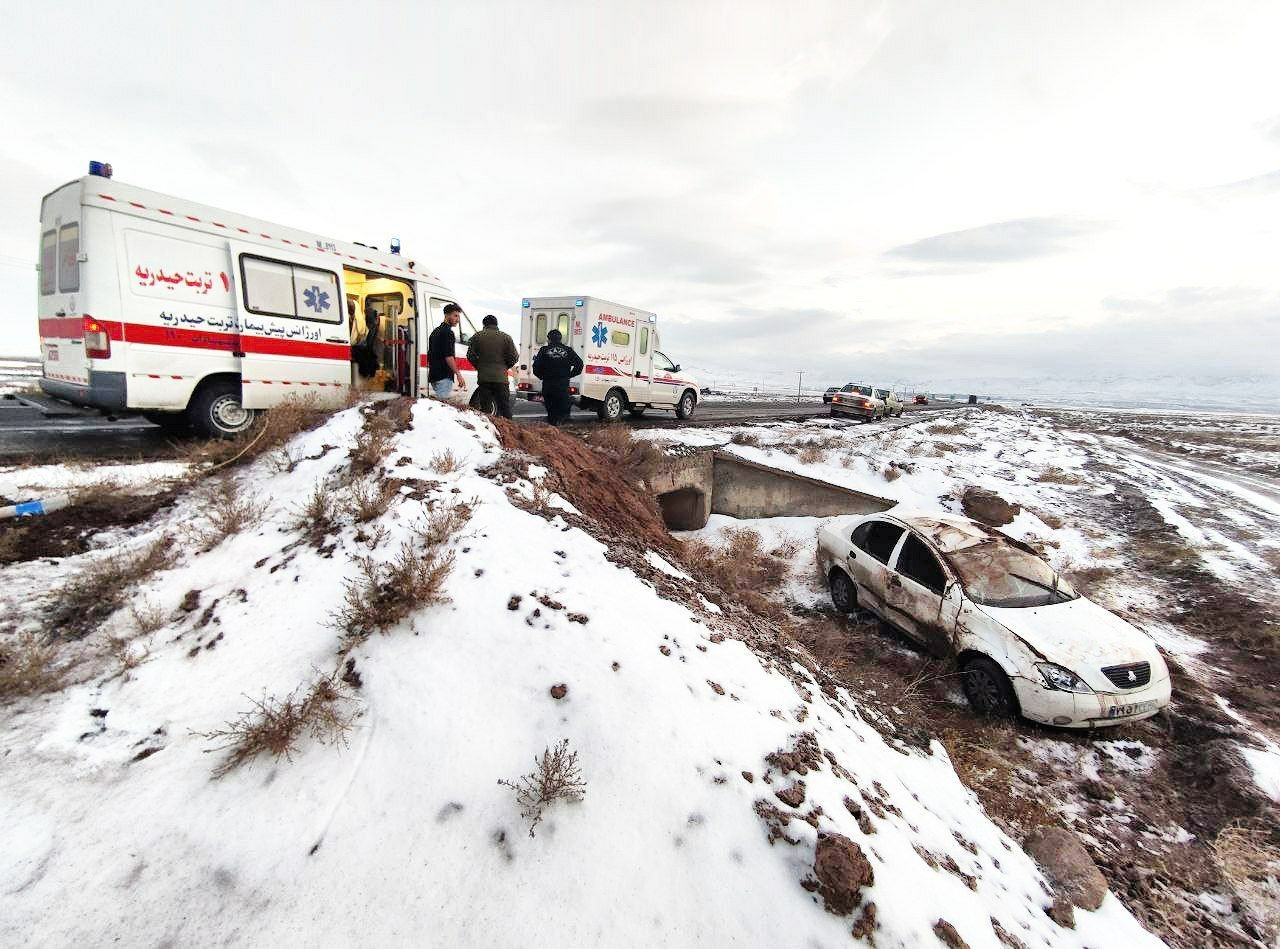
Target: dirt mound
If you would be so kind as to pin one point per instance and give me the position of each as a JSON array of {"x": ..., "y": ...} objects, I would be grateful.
[
  {"x": 589, "y": 479},
  {"x": 1066, "y": 862},
  {"x": 988, "y": 507},
  {"x": 842, "y": 871}
]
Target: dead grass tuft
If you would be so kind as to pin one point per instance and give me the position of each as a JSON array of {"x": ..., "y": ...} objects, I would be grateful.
[
  {"x": 555, "y": 777},
  {"x": 227, "y": 512},
  {"x": 382, "y": 422},
  {"x": 635, "y": 459},
  {"x": 147, "y": 616},
  {"x": 947, "y": 428},
  {"x": 890, "y": 473},
  {"x": 27, "y": 667},
  {"x": 293, "y": 416},
  {"x": 370, "y": 499},
  {"x": 1249, "y": 858},
  {"x": 445, "y": 462},
  {"x": 441, "y": 524},
  {"x": 275, "y": 726},
  {"x": 127, "y": 653},
  {"x": 749, "y": 439},
  {"x": 742, "y": 568},
  {"x": 1055, "y": 475},
  {"x": 101, "y": 587},
  {"x": 811, "y": 453},
  {"x": 318, "y": 515},
  {"x": 384, "y": 594}
]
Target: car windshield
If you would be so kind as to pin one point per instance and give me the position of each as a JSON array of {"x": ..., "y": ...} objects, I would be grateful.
[
  {"x": 882, "y": 393},
  {"x": 864, "y": 390},
  {"x": 833, "y": 389},
  {"x": 996, "y": 573}
]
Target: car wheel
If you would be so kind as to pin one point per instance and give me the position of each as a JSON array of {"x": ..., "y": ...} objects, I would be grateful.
[
  {"x": 636, "y": 411},
  {"x": 216, "y": 411},
  {"x": 844, "y": 595},
  {"x": 988, "y": 689},
  {"x": 688, "y": 402},
  {"x": 612, "y": 406}
]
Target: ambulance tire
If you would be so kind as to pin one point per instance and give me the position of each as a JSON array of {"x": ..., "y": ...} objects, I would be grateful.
[
  {"x": 216, "y": 412},
  {"x": 688, "y": 402},
  {"x": 612, "y": 406}
]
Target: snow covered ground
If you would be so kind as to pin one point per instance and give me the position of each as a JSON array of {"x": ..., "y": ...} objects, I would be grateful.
[
  {"x": 117, "y": 830},
  {"x": 1171, "y": 521}
]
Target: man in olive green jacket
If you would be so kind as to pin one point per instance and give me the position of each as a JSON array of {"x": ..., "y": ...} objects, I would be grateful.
[{"x": 492, "y": 352}]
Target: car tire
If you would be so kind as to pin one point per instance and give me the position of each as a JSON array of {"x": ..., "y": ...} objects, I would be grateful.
[
  {"x": 844, "y": 593},
  {"x": 216, "y": 411},
  {"x": 637, "y": 411},
  {"x": 687, "y": 404},
  {"x": 988, "y": 689},
  {"x": 612, "y": 406}
]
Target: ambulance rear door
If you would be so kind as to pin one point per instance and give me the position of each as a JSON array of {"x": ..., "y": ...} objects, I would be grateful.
[{"x": 294, "y": 337}]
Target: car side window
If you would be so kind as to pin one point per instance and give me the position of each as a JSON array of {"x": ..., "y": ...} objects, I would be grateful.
[
  {"x": 878, "y": 538},
  {"x": 918, "y": 562}
]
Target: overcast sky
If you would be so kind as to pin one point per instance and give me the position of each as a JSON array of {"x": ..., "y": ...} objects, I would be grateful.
[{"x": 905, "y": 190}]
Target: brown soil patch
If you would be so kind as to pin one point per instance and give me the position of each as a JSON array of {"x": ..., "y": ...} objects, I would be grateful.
[{"x": 67, "y": 532}]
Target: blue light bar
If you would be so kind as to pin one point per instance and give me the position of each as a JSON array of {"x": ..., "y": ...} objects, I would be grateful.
[
  {"x": 395, "y": 245},
  {"x": 100, "y": 169},
  {"x": 525, "y": 304},
  {"x": 577, "y": 303}
]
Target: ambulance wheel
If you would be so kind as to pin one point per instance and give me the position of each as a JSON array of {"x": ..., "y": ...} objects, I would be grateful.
[
  {"x": 612, "y": 406},
  {"x": 636, "y": 411},
  {"x": 216, "y": 411},
  {"x": 688, "y": 402},
  {"x": 171, "y": 423}
]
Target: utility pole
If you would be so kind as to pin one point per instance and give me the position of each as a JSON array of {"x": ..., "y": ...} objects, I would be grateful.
[{"x": 799, "y": 381}]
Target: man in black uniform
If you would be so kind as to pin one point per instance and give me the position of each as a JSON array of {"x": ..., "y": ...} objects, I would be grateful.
[{"x": 555, "y": 365}]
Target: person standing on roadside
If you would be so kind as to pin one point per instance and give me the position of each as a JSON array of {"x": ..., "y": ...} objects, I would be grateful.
[
  {"x": 555, "y": 365},
  {"x": 493, "y": 352},
  {"x": 442, "y": 366}
]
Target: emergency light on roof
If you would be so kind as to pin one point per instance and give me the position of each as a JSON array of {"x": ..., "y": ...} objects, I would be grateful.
[
  {"x": 395, "y": 245},
  {"x": 100, "y": 169},
  {"x": 577, "y": 303},
  {"x": 525, "y": 304}
]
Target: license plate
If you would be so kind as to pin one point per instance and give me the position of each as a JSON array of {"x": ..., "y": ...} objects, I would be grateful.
[{"x": 1123, "y": 711}]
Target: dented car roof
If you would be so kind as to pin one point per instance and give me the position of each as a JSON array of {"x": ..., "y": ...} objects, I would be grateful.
[{"x": 950, "y": 533}]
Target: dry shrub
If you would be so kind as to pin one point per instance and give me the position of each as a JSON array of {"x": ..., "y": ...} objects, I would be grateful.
[
  {"x": 274, "y": 726},
  {"x": 127, "y": 653},
  {"x": 555, "y": 777},
  {"x": 12, "y": 542},
  {"x": 147, "y": 616},
  {"x": 441, "y": 524},
  {"x": 1249, "y": 858},
  {"x": 1050, "y": 520},
  {"x": 317, "y": 516},
  {"x": 891, "y": 473},
  {"x": 635, "y": 459},
  {"x": 384, "y": 594},
  {"x": 272, "y": 429},
  {"x": 370, "y": 499},
  {"x": 227, "y": 512},
  {"x": 382, "y": 422},
  {"x": 445, "y": 462},
  {"x": 741, "y": 568},
  {"x": 101, "y": 587},
  {"x": 27, "y": 667},
  {"x": 811, "y": 454},
  {"x": 749, "y": 439},
  {"x": 947, "y": 428}
]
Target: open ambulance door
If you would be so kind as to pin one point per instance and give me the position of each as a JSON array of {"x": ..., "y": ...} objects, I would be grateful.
[{"x": 293, "y": 334}]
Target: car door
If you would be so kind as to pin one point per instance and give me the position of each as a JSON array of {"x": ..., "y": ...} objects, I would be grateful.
[
  {"x": 919, "y": 597},
  {"x": 873, "y": 546}
]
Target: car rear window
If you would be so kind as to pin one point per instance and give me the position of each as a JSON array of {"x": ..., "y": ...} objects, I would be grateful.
[
  {"x": 1001, "y": 575},
  {"x": 878, "y": 538},
  {"x": 69, "y": 258},
  {"x": 48, "y": 262}
]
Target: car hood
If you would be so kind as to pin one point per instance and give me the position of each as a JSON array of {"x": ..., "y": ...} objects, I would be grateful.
[{"x": 1081, "y": 636}]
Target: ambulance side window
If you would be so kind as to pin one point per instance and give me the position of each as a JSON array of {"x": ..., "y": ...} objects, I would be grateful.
[
  {"x": 48, "y": 262},
  {"x": 540, "y": 329},
  {"x": 69, "y": 257},
  {"x": 273, "y": 288},
  {"x": 619, "y": 338},
  {"x": 644, "y": 340},
  {"x": 562, "y": 324}
]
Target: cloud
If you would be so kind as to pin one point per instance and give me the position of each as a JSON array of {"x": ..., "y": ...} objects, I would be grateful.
[
  {"x": 1258, "y": 184},
  {"x": 1004, "y": 241}
]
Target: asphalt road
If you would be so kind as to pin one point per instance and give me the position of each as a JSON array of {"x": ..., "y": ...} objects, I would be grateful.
[{"x": 28, "y": 432}]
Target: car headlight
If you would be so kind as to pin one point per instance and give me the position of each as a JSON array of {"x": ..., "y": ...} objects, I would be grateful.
[{"x": 1064, "y": 680}]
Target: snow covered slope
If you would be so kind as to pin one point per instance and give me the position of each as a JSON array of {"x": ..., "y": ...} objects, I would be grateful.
[{"x": 115, "y": 828}]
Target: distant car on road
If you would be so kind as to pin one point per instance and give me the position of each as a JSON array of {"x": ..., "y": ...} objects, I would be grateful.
[
  {"x": 892, "y": 404},
  {"x": 1025, "y": 641},
  {"x": 831, "y": 391},
  {"x": 858, "y": 400},
  {"x": 921, "y": 399}
]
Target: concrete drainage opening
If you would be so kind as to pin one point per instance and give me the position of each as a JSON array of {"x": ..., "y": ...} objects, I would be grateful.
[{"x": 696, "y": 486}]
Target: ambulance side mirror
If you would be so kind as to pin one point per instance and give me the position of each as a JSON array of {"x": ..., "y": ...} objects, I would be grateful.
[{"x": 675, "y": 368}]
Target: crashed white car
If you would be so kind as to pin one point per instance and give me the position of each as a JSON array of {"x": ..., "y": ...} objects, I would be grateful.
[{"x": 1026, "y": 641}]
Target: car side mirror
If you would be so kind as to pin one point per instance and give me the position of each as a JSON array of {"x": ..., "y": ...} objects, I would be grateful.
[{"x": 675, "y": 368}]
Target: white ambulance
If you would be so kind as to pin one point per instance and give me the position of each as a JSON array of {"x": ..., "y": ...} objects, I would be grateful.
[
  {"x": 623, "y": 369},
  {"x": 198, "y": 317}
]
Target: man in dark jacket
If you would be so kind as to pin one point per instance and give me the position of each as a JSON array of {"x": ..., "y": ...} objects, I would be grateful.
[
  {"x": 555, "y": 365},
  {"x": 442, "y": 367},
  {"x": 492, "y": 352}
]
